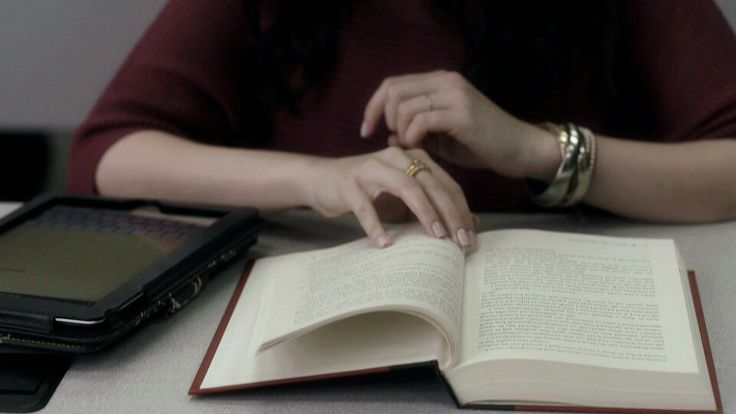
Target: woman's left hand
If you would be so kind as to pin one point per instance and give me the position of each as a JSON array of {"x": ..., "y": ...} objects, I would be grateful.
[{"x": 445, "y": 114}]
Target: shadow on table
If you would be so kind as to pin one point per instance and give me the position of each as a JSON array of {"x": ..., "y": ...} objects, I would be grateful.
[{"x": 417, "y": 384}]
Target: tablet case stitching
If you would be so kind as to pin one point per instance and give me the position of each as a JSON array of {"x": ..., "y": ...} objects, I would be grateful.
[{"x": 10, "y": 340}]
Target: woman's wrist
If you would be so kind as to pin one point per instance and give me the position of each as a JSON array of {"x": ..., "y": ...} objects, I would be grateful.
[
  {"x": 542, "y": 155},
  {"x": 574, "y": 173},
  {"x": 268, "y": 180},
  {"x": 307, "y": 176},
  {"x": 313, "y": 182}
]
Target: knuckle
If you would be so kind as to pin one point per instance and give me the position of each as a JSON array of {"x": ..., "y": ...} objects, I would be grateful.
[
  {"x": 464, "y": 117},
  {"x": 403, "y": 110},
  {"x": 454, "y": 95},
  {"x": 386, "y": 83},
  {"x": 419, "y": 153},
  {"x": 349, "y": 189},
  {"x": 391, "y": 92},
  {"x": 460, "y": 99},
  {"x": 454, "y": 78},
  {"x": 433, "y": 186},
  {"x": 412, "y": 195},
  {"x": 455, "y": 190},
  {"x": 420, "y": 120},
  {"x": 412, "y": 137},
  {"x": 405, "y": 183},
  {"x": 392, "y": 153},
  {"x": 370, "y": 164},
  {"x": 408, "y": 188},
  {"x": 452, "y": 215},
  {"x": 463, "y": 101}
]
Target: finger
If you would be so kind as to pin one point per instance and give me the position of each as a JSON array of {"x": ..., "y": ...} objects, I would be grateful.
[
  {"x": 421, "y": 124},
  {"x": 365, "y": 212},
  {"x": 451, "y": 203},
  {"x": 396, "y": 182},
  {"x": 443, "y": 192},
  {"x": 391, "y": 89},
  {"x": 408, "y": 108},
  {"x": 445, "y": 206},
  {"x": 402, "y": 91},
  {"x": 392, "y": 141}
]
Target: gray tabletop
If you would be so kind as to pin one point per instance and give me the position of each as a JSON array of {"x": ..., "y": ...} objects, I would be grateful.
[{"x": 151, "y": 371}]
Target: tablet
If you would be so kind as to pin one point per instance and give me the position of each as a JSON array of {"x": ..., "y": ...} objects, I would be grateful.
[{"x": 77, "y": 273}]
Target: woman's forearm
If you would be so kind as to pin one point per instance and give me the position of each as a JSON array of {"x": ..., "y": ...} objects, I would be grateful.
[
  {"x": 693, "y": 181},
  {"x": 155, "y": 164},
  {"x": 158, "y": 165},
  {"x": 680, "y": 182}
]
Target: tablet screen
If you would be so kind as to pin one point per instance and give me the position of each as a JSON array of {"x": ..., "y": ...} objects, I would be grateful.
[{"x": 83, "y": 254}]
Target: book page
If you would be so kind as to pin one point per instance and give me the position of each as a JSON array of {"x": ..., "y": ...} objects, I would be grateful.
[
  {"x": 366, "y": 343},
  {"x": 611, "y": 302},
  {"x": 418, "y": 274}
]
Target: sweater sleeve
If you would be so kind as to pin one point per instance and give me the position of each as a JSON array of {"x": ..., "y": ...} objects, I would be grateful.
[
  {"x": 181, "y": 78},
  {"x": 684, "y": 54}
]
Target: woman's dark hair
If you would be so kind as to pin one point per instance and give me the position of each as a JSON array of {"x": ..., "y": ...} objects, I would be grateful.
[
  {"x": 538, "y": 41},
  {"x": 297, "y": 49}
]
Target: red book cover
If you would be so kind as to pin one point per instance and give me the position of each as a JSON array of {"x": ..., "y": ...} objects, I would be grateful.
[{"x": 196, "y": 388}]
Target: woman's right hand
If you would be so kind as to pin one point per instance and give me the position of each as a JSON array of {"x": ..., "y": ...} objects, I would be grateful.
[
  {"x": 354, "y": 184},
  {"x": 148, "y": 163}
]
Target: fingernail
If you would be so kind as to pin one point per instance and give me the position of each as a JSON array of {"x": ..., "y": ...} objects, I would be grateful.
[
  {"x": 383, "y": 241},
  {"x": 439, "y": 230},
  {"x": 463, "y": 237},
  {"x": 364, "y": 130}
]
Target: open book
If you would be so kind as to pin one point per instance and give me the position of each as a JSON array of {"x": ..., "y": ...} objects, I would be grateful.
[{"x": 531, "y": 319}]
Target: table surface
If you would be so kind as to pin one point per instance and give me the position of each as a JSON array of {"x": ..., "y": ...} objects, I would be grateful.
[{"x": 151, "y": 370}]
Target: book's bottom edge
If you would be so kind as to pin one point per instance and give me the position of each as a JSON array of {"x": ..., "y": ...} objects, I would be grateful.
[
  {"x": 582, "y": 409},
  {"x": 390, "y": 370}
]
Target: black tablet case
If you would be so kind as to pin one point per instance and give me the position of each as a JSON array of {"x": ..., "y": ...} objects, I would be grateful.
[
  {"x": 27, "y": 381},
  {"x": 27, "y": 328}
]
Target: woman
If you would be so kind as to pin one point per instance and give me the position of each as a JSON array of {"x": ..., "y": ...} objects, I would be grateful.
[{"x": 261, "y": 104}]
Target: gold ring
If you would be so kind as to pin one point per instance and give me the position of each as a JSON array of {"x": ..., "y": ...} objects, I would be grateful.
[{"x": 415, "y": 167}]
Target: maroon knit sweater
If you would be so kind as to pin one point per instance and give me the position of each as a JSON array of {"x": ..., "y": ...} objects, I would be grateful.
[{"x": 183, "y": 78}]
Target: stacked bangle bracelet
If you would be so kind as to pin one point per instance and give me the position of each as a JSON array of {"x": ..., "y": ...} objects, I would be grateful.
[{"x": 577, "y": 149}]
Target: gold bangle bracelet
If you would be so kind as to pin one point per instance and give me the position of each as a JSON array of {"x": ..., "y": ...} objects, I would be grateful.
[
  {"x": 584, "y": 171},
  {"x": 570, "y": 143},
  {"x": 573, "y": 176}
]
